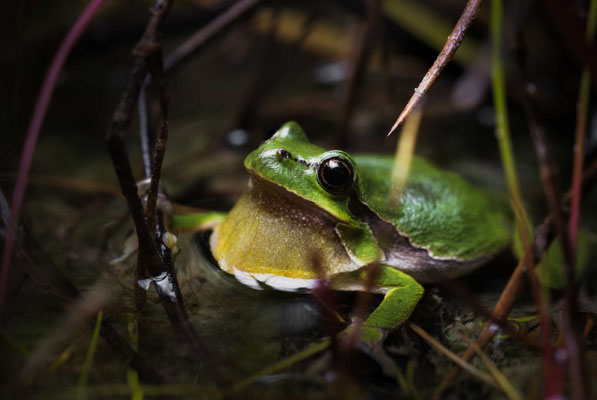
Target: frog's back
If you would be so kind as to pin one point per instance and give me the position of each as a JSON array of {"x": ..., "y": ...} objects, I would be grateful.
[{"x": 439, "y": 211}]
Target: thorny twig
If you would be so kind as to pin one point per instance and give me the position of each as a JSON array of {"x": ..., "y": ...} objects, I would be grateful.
[{"x": 452, "y": 44}]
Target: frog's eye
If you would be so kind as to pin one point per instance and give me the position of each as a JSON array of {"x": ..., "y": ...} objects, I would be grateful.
[{"x": 335, "y": 174}]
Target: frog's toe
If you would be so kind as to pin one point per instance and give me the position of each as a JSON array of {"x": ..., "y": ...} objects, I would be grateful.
[
  {"x": 369, "y": 334},
  {"x": 357, "y": 333}
]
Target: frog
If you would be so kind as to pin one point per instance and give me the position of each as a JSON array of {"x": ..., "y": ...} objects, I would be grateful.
[{"x": 305, "y": 205}]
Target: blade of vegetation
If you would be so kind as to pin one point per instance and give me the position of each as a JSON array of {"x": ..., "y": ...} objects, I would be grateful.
[
  {"x": 14, "y": 344},
  {"x": 37, "y": 118},
  {"x": 501, "y": 379},
  {"x": 457, "y": 360},
  {"x": 62, "y": 182},
  {"x": 132, "y": 375},
  {"x": 285, "y": 363},
  {"x": 96, "y": 298},
  {"x": 405, "y": 150},
  {"x": 87, "y": 364},
  {"x": 168, "y": 391},
  {"x": 502, "y": 126},
  {"x": 407, "y": 382},
  {"x": 582, "y": 110},
  {"x": 522, "y": 221},
  {"x": 588, "y": 326},
  {"x": 196, "y": 221},
  {"x": 60, "y": 360},
  {"x": 452, "y": 44}
]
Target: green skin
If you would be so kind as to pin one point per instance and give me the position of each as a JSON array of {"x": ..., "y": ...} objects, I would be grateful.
[{"x": 287, "y": 225}]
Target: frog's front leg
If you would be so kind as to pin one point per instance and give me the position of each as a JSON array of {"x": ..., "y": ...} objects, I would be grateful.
[{"x": 401, "y": 295}]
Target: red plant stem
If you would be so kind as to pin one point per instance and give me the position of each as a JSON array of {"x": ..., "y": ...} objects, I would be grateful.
[
  {"x": 576, "y": 180},
  {"x": 37, "y": 119}
]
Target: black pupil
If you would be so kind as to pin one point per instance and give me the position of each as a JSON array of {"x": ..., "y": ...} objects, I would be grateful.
[{"x": 336, "y": 174}]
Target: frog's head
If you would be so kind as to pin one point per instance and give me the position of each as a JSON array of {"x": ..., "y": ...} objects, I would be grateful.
[{"x": 289, "y": 160}]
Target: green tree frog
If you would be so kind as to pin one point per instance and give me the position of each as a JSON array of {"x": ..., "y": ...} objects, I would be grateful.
[{"x": 302, "y": 199}]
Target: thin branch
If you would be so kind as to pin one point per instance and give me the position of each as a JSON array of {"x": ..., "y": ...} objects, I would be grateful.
[
  {"x": 157, "y": 78},
  {"x": 457, "y": 360},
  {"x": 153, "y": 255},
  {"x": 466, "y": 297},
  {"x": 452, "y": 44},
  {"x": 148, "y": 253},
  {"x": 144, "y": 129},
  {"x": 500, "y": 378},
  {"x": 553, "y": 194},
  {"x": 35, "y": 124},
  {"x": 208, "y": 32}
]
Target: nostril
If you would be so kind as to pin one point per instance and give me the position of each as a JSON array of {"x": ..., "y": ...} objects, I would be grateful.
[{"x": 283, "y": 153}]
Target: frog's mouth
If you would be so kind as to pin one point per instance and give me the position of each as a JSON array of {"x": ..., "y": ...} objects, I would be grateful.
[{"x": 271, "y": 195}]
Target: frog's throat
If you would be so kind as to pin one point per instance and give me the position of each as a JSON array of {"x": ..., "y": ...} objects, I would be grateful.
[{"x": 273, "y": 231}]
